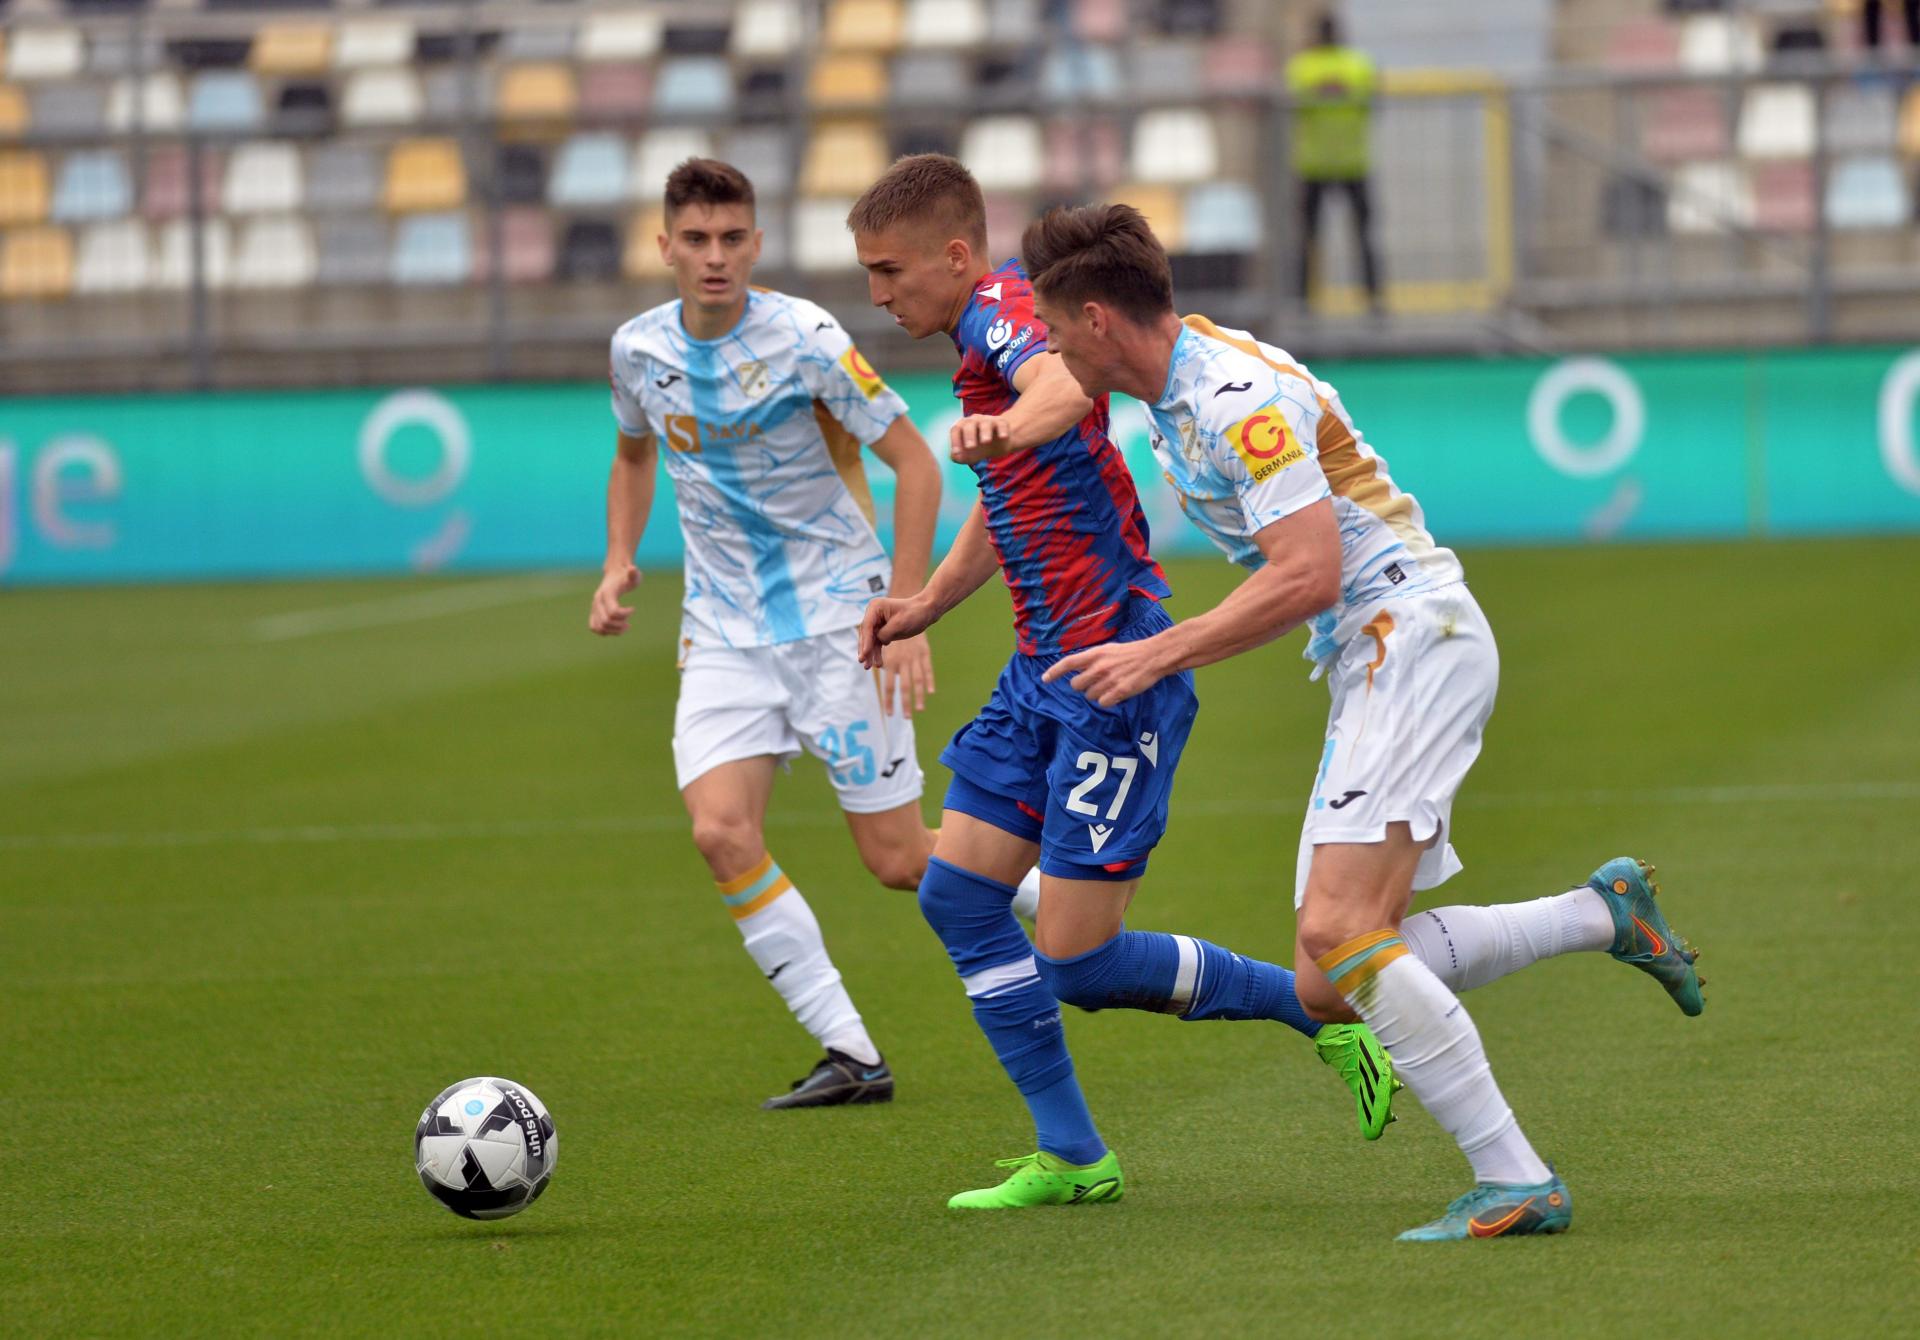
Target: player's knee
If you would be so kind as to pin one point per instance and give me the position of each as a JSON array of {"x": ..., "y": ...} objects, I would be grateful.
[
  {"x": 1322, "y": 1003},
  {"x": 1082, "y": 980},
  {"x": 730, "y": 843},
  {"x": 1322, "y": 932},
  {"x": 896, "y": 866}
]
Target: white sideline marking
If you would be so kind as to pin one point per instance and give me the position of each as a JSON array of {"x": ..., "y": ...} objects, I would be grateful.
[
  {"x": 431, "y": 831},
  {"x": 413, "y": 606}
]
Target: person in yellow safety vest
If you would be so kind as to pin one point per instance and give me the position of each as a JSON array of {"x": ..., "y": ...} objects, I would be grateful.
[{"x": 1332, "y": 88}]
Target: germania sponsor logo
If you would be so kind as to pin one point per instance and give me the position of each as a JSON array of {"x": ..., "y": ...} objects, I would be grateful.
[
  {"x": 1263, "y": 442},
  {"x": 686, "y": 434},
  {"x": 862, "y": 373}
]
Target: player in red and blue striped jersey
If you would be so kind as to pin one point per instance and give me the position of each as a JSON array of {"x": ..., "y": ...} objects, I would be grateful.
[{"x": 1043, "y": 773}]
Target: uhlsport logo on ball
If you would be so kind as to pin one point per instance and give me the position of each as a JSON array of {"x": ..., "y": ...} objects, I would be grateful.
[{"x": 485, "y": 1148}]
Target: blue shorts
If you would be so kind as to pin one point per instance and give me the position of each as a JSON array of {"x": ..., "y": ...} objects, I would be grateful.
[{"x": 1090, "y": 784}]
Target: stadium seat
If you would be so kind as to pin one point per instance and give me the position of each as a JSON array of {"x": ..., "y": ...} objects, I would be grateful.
[
  {"x": 69, "y": 109},
  {"x": 765, "y": 154},
  {"x": 423, "y": 175},
  {"x": 1683, "y": 123},
  {"x": 343, "y": 177},
  {"x": 773, "y": 239},
  {"x": 633, "y": 36},
  {"x": 862, "y": 25},
  {"x": 944, "y": 23},
  {"x": 381, "y": 97},
  {"x": 1783, "y": 197},
  {"x": 373, "y": 43},
  {"x": 539, "y": 42},
  {"x": 1719, "y": 44},
  {"x": 694, "y": 86},
  {"x": 1861, "y": 119},
  {"x": 200, "y": 53},
  {"x": 44, "y": 53},
  {"x": 820, "y": 237},
  {"x": 1239, "y": 66},
  {"x": 226, "y": 100},
  {"x": 590, "y": 252},
  {"x": 173, "y": 254},
  {"x": 13, "y": 111},
  {"x": 1161, "y": 205},
  {"x": 1100, "y": 20},
  {"x": 122, "y": 51},
  {"x": 543, "y": 92},
  {"x": 1173, "y": 65},
  {"x": 763, "y": 94},
  {"x": 431, "y": 249},
  {"x": 303, "y": 107},
  {"x": 931, "y": 79},
  {"x": 1643, "y": 45},
  {"x": 93, "y": 184},
  {"x": 292, "y": 48},
  {"x": 24, "y": 189},
  {"x": 1867, "y": 193},
  {"x": 454, "y": 92},
  {"x": 660, "y": 152},
  {"x": 353, "y": 249},
  {"x": 164, "y": 192},
  {"x": 616, "y": 92},
  {"x": 847, "y": 80},
  {"x": 842, "y": 158},
  {"x": 1004, "y": 152},
  {"x": 1708, "y": 197},
  {"x": 1223, "y": 216},
  {"x": 1077, "y": 73},
  {"x": 1776, "y": 121},
  {"x": 592, "y": 169},
  {"x": 262, "y": 178},
  {"x": 692, "y": 37},
  {"x": 640, "y": 257},
  {"x": 1910, "y": 124},
  {"x": 113, "y": 257},
  {"x": 153, "y": 100},
  {"x": 275, "y": 253},
  {"x": 1083, "y": 155},
  {"x": 1631, "y": 207},
  {"x": 765, "y": 29},
  {"x": 1175, "y": 144},
  {"x": 923, "y": 137},
  {"x": 527, "y": 252},
  {"x": 1013, "y": 23},
  {"x": 36, "y": 263},
  {"x": 520, "y": 174}
]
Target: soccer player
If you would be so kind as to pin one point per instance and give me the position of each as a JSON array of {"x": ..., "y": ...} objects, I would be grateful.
[
  {"x": 764, "y": 404},
  {"x": 1269, "y": 466},
  {"x": 1041, "y": 773}
]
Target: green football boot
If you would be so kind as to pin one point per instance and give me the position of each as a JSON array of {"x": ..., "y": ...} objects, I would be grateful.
[
  {"x": 1641, "y": 934},
  {"x": 1363, "y": 1063},
  {"x": 1042, "y": 1179},
  {"x": 1500, "y": 1210}
]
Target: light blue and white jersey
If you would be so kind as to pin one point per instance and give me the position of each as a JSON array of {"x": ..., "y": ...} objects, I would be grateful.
[
  {"x": 1246, "y": 436},
  {"x": 762, "y": 430}
]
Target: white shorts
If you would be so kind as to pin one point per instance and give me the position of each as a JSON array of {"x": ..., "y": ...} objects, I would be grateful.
[
  {"x": 1411, "y": 696},
  {"x": 813, "y": 694}
]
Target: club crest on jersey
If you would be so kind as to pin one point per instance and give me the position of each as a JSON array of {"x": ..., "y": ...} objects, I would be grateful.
[
  {"x": 1190, "y": 439},
  {"x": 1263, "y": 442},
  {"x": 862, "y": 373},
  {"x": 753, "y": 378}
]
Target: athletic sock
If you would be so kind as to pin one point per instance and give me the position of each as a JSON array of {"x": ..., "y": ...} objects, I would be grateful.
[
  {"x": 972, "y": 916},
  {"x": 1471, "y": 946},
  {"x": 1026, "y": 899},
  {"x": 1176, "y": 974},
  {"x": 783, "y": 937},
  {"x": 1436, "y": 1049}
]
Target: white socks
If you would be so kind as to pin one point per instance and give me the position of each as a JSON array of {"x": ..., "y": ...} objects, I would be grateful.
[
  {"x": 1471, "y": 946},
  {"x": 1436, "y": 1050},
  {"x": 783, "y": 937},
  {"x": 1026, "y": 899}
]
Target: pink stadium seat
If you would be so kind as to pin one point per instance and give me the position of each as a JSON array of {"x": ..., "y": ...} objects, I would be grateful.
[
  {"x": 1783, "y": 197},
  {"x": 1640, "y": 45},
  {"x": 1684, "y": 123},
  {"x": 165, "y": 196},
  {"x": 615, "y": 92}
]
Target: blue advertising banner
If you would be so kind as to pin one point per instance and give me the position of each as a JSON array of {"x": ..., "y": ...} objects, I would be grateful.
[{"x": 1512, "y": 451}]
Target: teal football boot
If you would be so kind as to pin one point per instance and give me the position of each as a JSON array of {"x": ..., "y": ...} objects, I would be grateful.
[
  {"x": 1641, "y": 935},
  {"x": 1500, "y": 1210}
]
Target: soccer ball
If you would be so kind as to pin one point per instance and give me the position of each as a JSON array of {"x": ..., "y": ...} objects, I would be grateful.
[{"x": 485, "y": 1148}]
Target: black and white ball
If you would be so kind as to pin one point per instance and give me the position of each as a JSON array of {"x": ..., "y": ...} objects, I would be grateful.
[{"x": 485, "y": 1148}]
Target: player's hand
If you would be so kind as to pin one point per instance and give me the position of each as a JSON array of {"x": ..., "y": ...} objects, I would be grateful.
[
  {"x": 609, "y": 617},
  {"x": 1109, "y": 675},
  {"x": 891, "y": 619},
  {"x": 909, "y": 673},
  {"x": 980, "y": 437}
]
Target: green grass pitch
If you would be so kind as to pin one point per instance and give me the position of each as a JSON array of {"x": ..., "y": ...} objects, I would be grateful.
[{"x": 277, "y": 862}]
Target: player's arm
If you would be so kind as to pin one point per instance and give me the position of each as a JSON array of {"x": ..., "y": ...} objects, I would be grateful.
[
  {"x": 1050, "y": 403},
  {"x": 1301, "y": 578},
  {"x": 629, "y": 500},
  {"x": 963, "y": 571},
  {"x": 916, "y": 510}
]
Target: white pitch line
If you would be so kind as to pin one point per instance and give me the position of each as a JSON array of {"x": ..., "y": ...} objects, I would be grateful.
[
  {"x": 434, "y": 831},
  {"x": 413, "y": 606}
]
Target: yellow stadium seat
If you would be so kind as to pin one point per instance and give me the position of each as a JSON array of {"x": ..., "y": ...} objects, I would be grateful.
[
  {"x": 541, "y": 92},
  {"x": 847, "y": 81},
  {"x": 293, "y": 48},
  {"x": 425, "y": 175},
  {"x": 1161, "y": 205},
  {"x": 863, "y": 25},
  {"x": 640, "y": 258},
  {"x": 843, "y": 158},
  {"x": 24, "y": 189},
  {"x": 36, "y": 263},
  {"x": 1910, "y": 125},
  {"x": 13, "y": 110}
]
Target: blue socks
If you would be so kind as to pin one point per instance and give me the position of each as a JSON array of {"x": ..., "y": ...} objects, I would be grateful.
[
  {"x": 1021, "y": 1018},
  {"x": 1175, "y": 974}
]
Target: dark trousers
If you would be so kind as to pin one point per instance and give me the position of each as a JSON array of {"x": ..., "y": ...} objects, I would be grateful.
[
  {"x": 1871, "y": 15},
  {"x": 1360, "y": 199}
]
